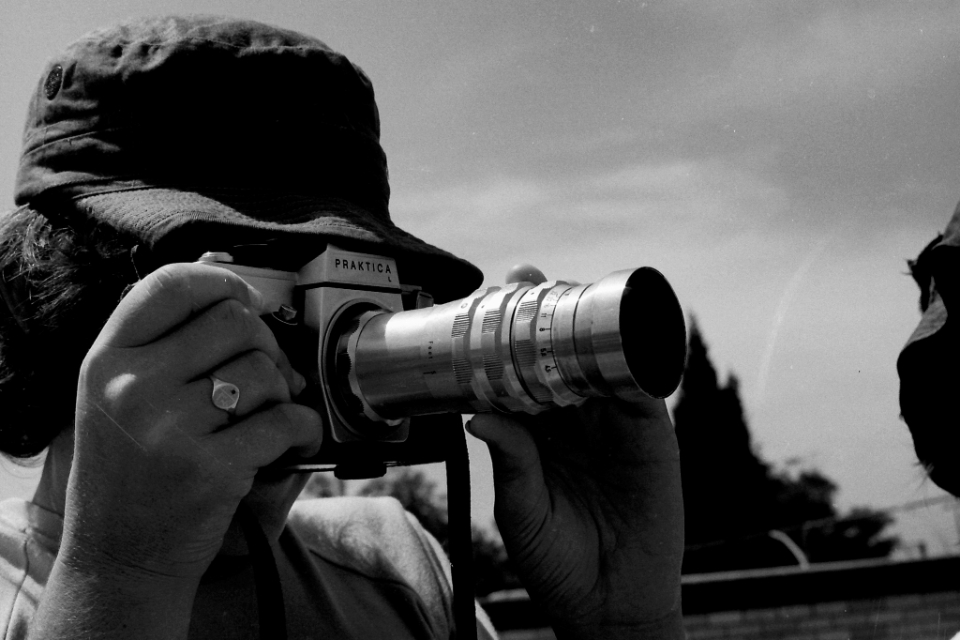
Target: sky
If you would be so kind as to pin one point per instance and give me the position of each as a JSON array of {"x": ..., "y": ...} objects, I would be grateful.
[{"x": 778, "y": 161}]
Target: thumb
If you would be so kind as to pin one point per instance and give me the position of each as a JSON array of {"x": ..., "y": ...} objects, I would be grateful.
[{"x": 518, "y": 479}]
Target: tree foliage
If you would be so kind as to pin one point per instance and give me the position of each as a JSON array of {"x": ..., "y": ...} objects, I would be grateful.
[{"x": 733, "y": 499}]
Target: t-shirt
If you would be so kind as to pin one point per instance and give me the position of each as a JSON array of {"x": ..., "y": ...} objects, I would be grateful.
[{"x": 349, "y": 568}]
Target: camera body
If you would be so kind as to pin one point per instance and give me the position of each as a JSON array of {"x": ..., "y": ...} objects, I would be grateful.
[
  {"x": 307, "y": 305},
  {"x": 380, "y": 357}
]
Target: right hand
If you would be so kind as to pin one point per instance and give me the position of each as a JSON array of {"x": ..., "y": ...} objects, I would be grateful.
[{"x": 158, "y": 470}]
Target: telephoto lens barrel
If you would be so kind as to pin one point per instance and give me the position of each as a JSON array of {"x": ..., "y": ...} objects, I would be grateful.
[{"x": 518, "y": 348}]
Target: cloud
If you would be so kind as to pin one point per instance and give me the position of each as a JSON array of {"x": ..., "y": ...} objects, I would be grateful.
[
  {"x": 715, "y": 191},
  {"x": 770, "y": 56},
  {"x": 683, "y": 191},
  {"x": 802, "y": 76},
  {"x": 678, "y": 203},
  {"x": 482, "y": 203}
]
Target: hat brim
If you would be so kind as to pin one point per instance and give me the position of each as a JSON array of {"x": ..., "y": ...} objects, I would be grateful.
[{"x": 292, "y": 228}]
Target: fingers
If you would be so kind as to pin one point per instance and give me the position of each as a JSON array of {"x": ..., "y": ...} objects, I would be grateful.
[
  {"x": 216, "y": 335},
  {"x": 295, "y": 381},
  {"x": 260, "y": 383},
  {"x": 525, "y": 272},
  {"x": 634, "y": 432},
  {"x": 260, "y": 439},
  {"x": 168, "y": 297},
  {"x": 521, "y": 493},
  {"x": 179, "y": 326}
]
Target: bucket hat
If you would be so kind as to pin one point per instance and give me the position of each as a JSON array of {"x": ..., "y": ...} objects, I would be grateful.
[{"x": 195, "y": 132}]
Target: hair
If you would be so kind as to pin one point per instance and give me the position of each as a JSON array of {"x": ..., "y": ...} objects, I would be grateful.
[
  {"x": 929, "y": 377},
  {"x": 61, "y": 282},
  {"x": 921, "y": 270}
]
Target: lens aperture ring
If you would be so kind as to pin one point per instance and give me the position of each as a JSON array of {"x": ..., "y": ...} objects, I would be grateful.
[
  {"x": 550, "y": 334},
  {"x": 532, "y": 343},
  {"x": 563, "y": 333}
]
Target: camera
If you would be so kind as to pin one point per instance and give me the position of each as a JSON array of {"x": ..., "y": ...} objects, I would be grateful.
[{"x": 387, "y": 368}]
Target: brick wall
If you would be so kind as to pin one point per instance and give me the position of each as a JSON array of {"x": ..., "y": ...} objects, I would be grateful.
[
  {"x": 931, "y": 616},
  {"x": 868, "y": 600}
]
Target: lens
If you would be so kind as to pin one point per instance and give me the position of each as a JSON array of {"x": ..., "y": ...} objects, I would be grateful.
[
  {"x": 516, "y": 348},
  {"x": 654, "y": 344}
]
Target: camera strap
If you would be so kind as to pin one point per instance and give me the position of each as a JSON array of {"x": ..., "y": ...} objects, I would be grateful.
[
  {"x": 457, "y": 463},
  {"x": 266, "y": 577}
]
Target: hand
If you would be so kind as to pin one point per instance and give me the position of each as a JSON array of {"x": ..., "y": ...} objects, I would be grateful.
[
  {"x": 589, "y": 504},
  {"x": 159, "y": 470}
]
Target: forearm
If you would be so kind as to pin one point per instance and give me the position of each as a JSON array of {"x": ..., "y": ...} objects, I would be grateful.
[{"x": 81, "y": 605}]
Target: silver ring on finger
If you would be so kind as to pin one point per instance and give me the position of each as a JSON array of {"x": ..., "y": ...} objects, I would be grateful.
[{"x": 225, "y": 395}]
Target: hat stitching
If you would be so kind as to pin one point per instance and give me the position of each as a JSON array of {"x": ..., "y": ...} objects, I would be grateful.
[
  {"x": 45, "y": 133},
  {"x": 212, "y": 192},
  {"x": 326, "y": 223},
  {"x": 306, "y": 217},
  {"x": 202, "y": 188},
  {"x": 152, "y": 224},
  {"x": 46, "y": 140},
  {"x": 126, "y": 185}
]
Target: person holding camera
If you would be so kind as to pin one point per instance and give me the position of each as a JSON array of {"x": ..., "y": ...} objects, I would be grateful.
[{"x": 162, "y": 398}]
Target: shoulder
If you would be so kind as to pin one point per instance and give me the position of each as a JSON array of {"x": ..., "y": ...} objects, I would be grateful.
[
  {"x": 377, "y": 538},
  {"x": 374, "y": 536},
  {"x": 354, "y": 528}
]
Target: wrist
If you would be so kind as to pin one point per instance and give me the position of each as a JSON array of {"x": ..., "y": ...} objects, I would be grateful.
[
  {"x": 134, "y": 558},
  {"x": 81, "y": 601}
]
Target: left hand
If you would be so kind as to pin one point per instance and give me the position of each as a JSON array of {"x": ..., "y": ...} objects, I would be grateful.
[{"x": 589, "y": 504}]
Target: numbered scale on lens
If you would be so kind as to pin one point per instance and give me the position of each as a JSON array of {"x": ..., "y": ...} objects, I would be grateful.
[{"x": 534, "y": 340}]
